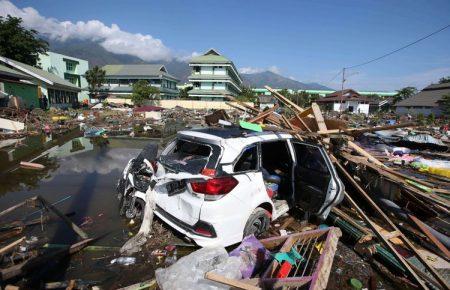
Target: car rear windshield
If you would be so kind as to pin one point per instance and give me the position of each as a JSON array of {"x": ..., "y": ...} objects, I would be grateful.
[{"x": 189, "y": 156}]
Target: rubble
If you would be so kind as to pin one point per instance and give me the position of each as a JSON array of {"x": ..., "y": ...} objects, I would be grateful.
[{"x": 394, "y": 217}]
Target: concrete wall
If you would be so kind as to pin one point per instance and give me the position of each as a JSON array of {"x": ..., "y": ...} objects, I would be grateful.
[{"x": 188, "y": 104}]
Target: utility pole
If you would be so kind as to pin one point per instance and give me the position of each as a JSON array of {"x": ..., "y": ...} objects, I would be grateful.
[{"x": 342, "y": 90}]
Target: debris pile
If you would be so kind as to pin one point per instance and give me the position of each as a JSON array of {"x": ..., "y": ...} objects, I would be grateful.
[{"x": 394, "y": 216}]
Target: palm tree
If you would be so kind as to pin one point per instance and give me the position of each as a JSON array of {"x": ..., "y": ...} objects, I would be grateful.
[
  {"x": 404, "y": 94},
  {"x": 95, "y": 78}
]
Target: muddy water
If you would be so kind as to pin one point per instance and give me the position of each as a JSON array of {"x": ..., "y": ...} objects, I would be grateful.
[{"x": 80, "y": 177}]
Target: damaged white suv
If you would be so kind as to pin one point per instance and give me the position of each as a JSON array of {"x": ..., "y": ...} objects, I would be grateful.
[{"x": 253, "y": 179}]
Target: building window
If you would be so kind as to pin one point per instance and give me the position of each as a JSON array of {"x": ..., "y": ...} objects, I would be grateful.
[
  {"x": 70, "y": 65},
  {"x": 197, "y": 69}
]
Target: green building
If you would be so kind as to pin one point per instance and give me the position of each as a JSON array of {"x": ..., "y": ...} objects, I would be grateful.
[
  {"x": 213, "y": 76},
  {"x": 121, "y": 77},
  {"x": 15, "y": 83},
  {"x": 59, "y": 92},
  {"x": 69, "y": 68}
]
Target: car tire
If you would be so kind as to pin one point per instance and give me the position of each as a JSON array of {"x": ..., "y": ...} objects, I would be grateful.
[
  {"x": 137, "y": 212},
  {"x": 257, "y": 223}
]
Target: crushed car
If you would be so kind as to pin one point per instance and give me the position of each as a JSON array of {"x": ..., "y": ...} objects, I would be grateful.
[{"x": 234, "y": 182}]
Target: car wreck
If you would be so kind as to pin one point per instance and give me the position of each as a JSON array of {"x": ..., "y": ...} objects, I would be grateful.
[{"x": 230, "y": 182}]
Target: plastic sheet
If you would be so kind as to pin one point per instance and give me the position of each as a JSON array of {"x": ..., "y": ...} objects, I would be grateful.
[
  {"x": 253, "y": 255},
  {"x": 188, "y": 273}
]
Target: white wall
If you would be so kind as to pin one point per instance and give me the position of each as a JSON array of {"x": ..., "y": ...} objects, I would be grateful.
[
  {"x": 357, "y": 107},
  {"x": 206, "y": 86},
  {"x": 220, "y": 71},
  {"x": 220, "y": 86}
]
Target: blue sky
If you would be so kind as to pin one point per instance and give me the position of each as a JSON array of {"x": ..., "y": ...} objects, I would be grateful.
[{"x": 304, "y": 40}]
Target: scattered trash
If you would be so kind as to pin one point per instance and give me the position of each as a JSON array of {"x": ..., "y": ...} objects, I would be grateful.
[{"x": 124, "y": 261}]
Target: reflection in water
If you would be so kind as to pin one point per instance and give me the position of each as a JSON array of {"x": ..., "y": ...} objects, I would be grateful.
[{"x": 87, "y": 171}]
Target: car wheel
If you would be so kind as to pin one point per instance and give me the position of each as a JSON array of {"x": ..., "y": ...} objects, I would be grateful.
[
  {"x": 137, "y": 211},
  {"x": 257, "y": 223}
]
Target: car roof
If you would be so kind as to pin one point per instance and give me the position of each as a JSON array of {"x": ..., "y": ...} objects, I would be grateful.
[{"x": 219, "y": 133}]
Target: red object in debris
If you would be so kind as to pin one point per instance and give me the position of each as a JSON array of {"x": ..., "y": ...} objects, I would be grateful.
[
  {"x": 284, "y": 270},
  {"x": 215, "y": 186}
]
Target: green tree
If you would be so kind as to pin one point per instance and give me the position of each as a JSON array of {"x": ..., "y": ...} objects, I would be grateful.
[
  {"x": 184, "y": 93},
  {"x": 445, "y": 102},
  {"x": 404, "y": 94},
  {"x": 247, "y": 94},
  {"x": 19, "y": 43},
  {"x": 421, "y": 119},
  {"x": 444, "y": 80},
  {"x": 142, "y": 91},
  {"x": 431, "y": 118},
  {"x": 95, "y": 78}
]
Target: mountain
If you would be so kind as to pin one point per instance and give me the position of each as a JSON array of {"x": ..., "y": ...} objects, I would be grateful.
[
  {"x": 97, "y": 55},
  {"x": 276, "y": 81}
]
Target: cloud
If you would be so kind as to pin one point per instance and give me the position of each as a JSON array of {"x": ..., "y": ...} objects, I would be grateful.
[
  {"x": 112, "y": 38},
  {"x": 254, "y": 70}
]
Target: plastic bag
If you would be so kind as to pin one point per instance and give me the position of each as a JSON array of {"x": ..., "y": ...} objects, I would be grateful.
[
  {"x": 253, "y": 255},
  {"x": 189, "y": 272}
]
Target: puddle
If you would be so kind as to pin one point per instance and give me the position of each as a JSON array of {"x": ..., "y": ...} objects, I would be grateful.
[{"x": 80, "y": 175}]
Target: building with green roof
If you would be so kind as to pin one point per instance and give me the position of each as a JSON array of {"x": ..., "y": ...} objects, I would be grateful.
[
  {"x": 121, "y": 77},
  {"x": 213, "y": 76},
  {"x": 59, "y": 92}
]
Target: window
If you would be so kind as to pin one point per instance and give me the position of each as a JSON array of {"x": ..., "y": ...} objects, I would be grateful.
[
  {"x": 248, "y": 160},
  {"x": 70, "y": 65},
  {"x": 310, "y": 158}
]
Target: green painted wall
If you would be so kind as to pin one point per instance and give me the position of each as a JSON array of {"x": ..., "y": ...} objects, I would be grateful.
[{"x": 28, "y": 93}]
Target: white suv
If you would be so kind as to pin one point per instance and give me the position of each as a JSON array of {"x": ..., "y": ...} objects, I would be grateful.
[{"x": 255, "y": 178}]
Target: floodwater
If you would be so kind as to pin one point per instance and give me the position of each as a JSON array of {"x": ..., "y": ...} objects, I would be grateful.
[{"x": 80, "y": 178}]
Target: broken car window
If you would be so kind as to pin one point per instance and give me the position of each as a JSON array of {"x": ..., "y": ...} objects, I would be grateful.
[
  {"x": 248, "y": 160},
  {"x": 187, "y": 156}
]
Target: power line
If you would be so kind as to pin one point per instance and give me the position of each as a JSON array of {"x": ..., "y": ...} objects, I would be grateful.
[{"x": 401, "y": 48}]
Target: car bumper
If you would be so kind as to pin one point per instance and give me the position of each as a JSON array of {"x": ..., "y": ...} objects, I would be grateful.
[{"x": 187, "y": 230}]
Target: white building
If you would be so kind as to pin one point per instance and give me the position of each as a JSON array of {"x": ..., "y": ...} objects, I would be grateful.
[
  {"x": 346, "y": 101},
  {"x": 69, "y": 68},
  {"x": 213, "y": 76}
]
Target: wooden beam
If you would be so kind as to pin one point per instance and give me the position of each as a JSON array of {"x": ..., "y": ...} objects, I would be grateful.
[
  {"x": 364, "y": 153},
  {"x": 319, "y": 117},
  {"x": 386, "y": 219},
  {"x": 430, "y": 236},
  {"x": 11, "y": 246},
  {"x": 230, "y": 282},
  {"x": 284, "y": 100},
  {"x": 70, "y": 223}
]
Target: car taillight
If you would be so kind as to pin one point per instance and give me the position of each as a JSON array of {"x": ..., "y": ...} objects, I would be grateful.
[
  {"x": 215, "y": 186},
  {"x": 204, "y": 229}
]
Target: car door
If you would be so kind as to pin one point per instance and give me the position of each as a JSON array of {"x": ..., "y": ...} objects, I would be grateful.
[{"x": 317, "y": 187}]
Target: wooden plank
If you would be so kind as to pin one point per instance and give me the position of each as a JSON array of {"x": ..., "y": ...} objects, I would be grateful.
[
  {"x": 32, "y": 263},
  {"x": 365, "y": 153},
  {"x": 284, "y": 100},
  {"x": 152, "y": 284},
  {"x": 230, "y": 282},
  {"x": 430, "y": 236},
  {"x": 263, "y": 115},
  {"x": 319, "y": 117},
  {"x": 394, "y": 227},
  {"x": 70, "y": 223},
  {"x": 11, "y": 246},
  {"x": 306, "y": 113},
  {"x": 14, "y": 207},
  {"x": 351, "y": 221},
  {"x": 392, "y": 235}
]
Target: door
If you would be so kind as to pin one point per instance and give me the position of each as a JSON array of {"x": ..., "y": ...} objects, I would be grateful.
[{"x": 316, "y": 184}]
